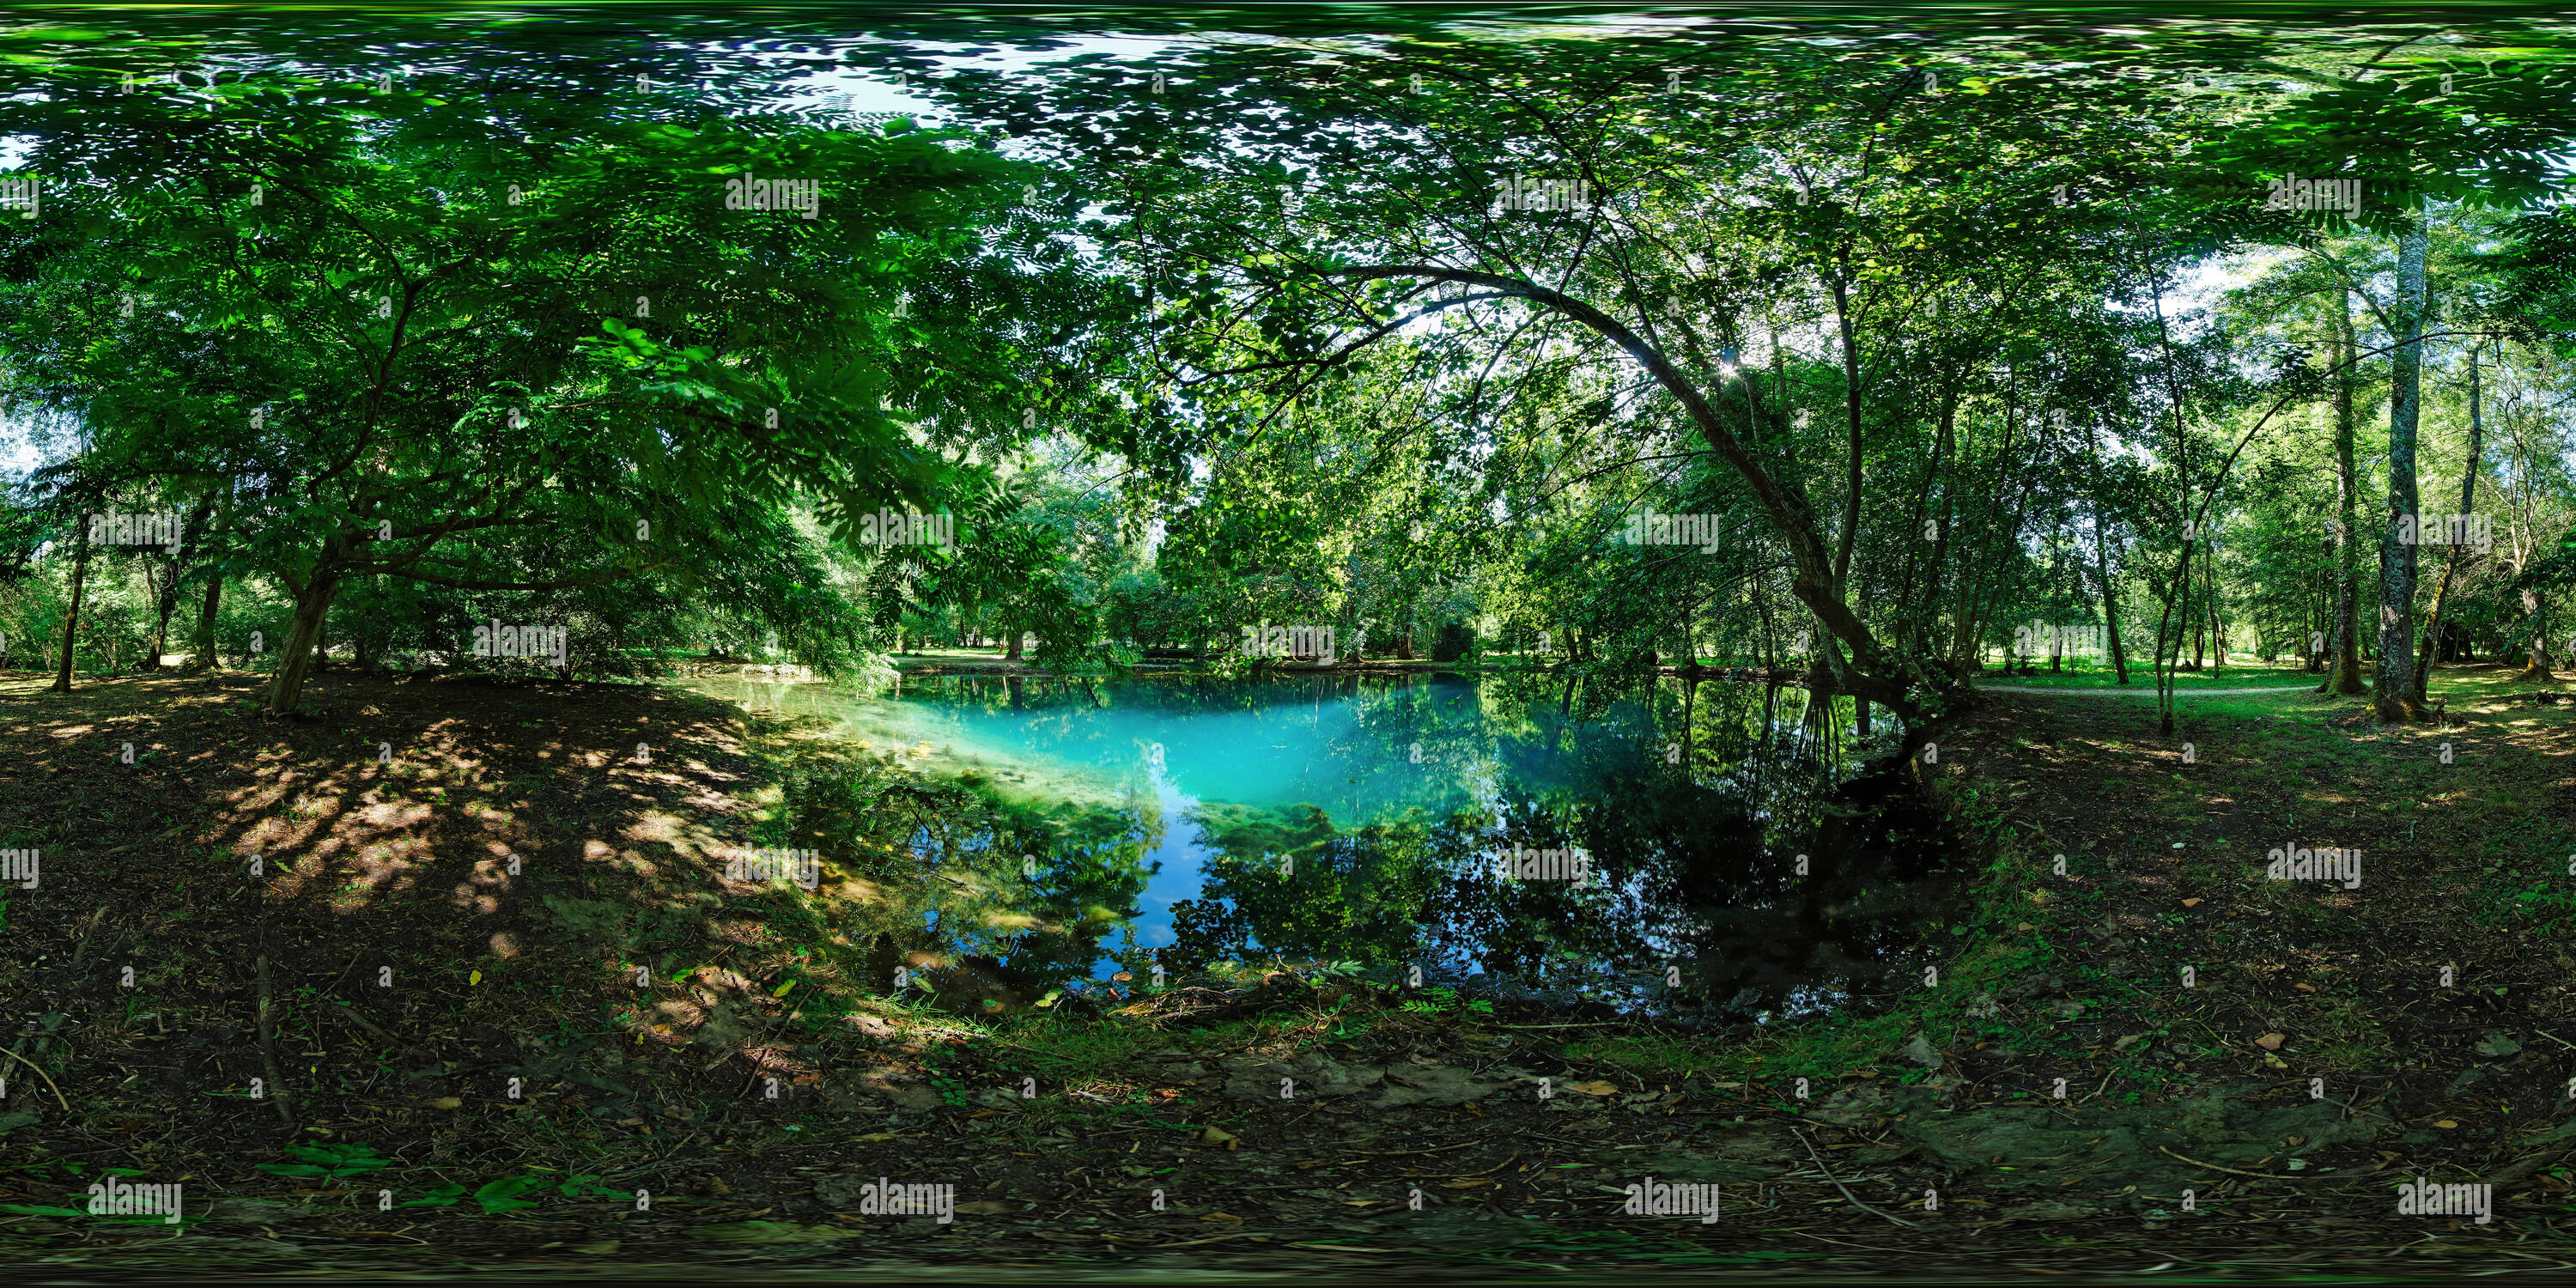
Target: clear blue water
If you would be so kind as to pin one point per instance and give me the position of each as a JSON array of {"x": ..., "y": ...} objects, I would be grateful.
[{"x": 1350, "y": 819}]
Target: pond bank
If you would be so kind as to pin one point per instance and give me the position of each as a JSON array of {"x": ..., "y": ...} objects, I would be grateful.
[{"x": 404, "y": 865}]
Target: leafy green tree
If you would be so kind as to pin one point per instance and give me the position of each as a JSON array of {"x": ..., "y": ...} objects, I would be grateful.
[{"x": 420, "y": 340}]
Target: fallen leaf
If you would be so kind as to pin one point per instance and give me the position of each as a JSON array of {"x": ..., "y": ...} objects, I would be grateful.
[
  {"x": 2446, "y": 1124},
  {"x": 876, "y": 1135},
  {"x": 2305, "y": 988},
  {"x": 2191, "y": 903},
  {"x": 1228, "y": 1217},
  {"x": 1594, "y": 1088},
  {"x": 1216, "y": 1136},
  {"x": 2025, "y": 926},
  {"x": 2269, "y": 1042},
  {"x": 2274, "y": 1062},
  {"x": 447, "y": 1102},
  {"x": 475, "y": 977}
]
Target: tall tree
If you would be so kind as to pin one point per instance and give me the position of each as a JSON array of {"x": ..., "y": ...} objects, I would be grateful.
[
  {"x": 2395, "y": 690},
  {"x": 2454, "y": 551},
  {"x": 2344, "y": 672}
]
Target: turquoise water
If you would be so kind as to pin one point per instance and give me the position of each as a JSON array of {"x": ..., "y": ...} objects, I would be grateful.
[
  {"x": 1357, "y": 820},
  {"x": 1348, "y": 747}
]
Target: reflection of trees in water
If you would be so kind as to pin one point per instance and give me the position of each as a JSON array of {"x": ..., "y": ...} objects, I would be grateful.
[
  {"x": 1694, "y": 857},
  {"x": 1017, "y": 896},
  {"x": 1301, "y": 888},
  {"x": 1692, "y": 806}
]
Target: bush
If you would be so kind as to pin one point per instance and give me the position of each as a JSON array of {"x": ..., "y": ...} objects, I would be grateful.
[{"x": 1454, "y": 642}]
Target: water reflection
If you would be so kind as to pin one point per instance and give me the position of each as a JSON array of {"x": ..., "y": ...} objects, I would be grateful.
[{"x": 1731, "y": 849}]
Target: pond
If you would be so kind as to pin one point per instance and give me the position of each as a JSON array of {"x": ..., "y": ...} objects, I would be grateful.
[{"x": 1709, "y": 848}]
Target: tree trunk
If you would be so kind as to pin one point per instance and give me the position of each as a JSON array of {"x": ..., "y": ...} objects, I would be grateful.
[
  {"x": 295, "y": 662},
  {"x": 1963, "y": 625},
  {"x": 1907, "y": 632},
  {"x": 71, "y": 620},
  {"x": 2451, "y": 558},
  {"x": 1916, "y": 633},
  {"x": 2394, "y": 692},
  {"x": 2110, "y": 597},
  {"x": 2539, "y": 666},
  {"x": 2217, "y": 620},
  {"x": 2344, "y": 673},
  {"x": 2320, "y": 643},
  {"x": 164, "y": 604},
  {"x": 1873, "y": 670},
  {"x": 205, "y": 659},
  {"x": 204, "y": 635},
  {"x": 1851, "y": 412}
]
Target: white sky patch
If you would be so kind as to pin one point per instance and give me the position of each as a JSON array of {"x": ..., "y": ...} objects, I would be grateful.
[
  {"x": 2211, "y": 278},
  {"x": 874, "y": 89},
  {"x": 17, "y": 448}
]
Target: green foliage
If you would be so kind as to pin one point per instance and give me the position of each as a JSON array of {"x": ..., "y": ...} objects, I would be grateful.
[
  {"x": 328, "y": 1162},
  {"x": 507, "y": 1194},
  {"x": 1439, "y": 999}
]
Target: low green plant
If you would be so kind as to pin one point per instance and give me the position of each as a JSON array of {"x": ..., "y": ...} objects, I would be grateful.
[
  {"x": 1441, "y": 999},
  {"x": 497, "y": 1197},
  {"x": 74, "y": 1206},
  {"x": 328, "y": 1162}
]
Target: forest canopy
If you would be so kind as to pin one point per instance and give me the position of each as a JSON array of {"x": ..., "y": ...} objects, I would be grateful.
[{"x": 1864, "y": 357}]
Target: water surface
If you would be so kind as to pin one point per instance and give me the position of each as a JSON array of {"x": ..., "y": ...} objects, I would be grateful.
[{"x": 1357, "y": 820}]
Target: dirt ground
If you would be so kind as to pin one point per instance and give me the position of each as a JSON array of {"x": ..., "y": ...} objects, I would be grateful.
[{"x": 723, "y": 1121}]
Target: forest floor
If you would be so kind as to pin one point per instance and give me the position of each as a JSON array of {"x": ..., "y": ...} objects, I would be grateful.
[{"x": 457, "y": 881}]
